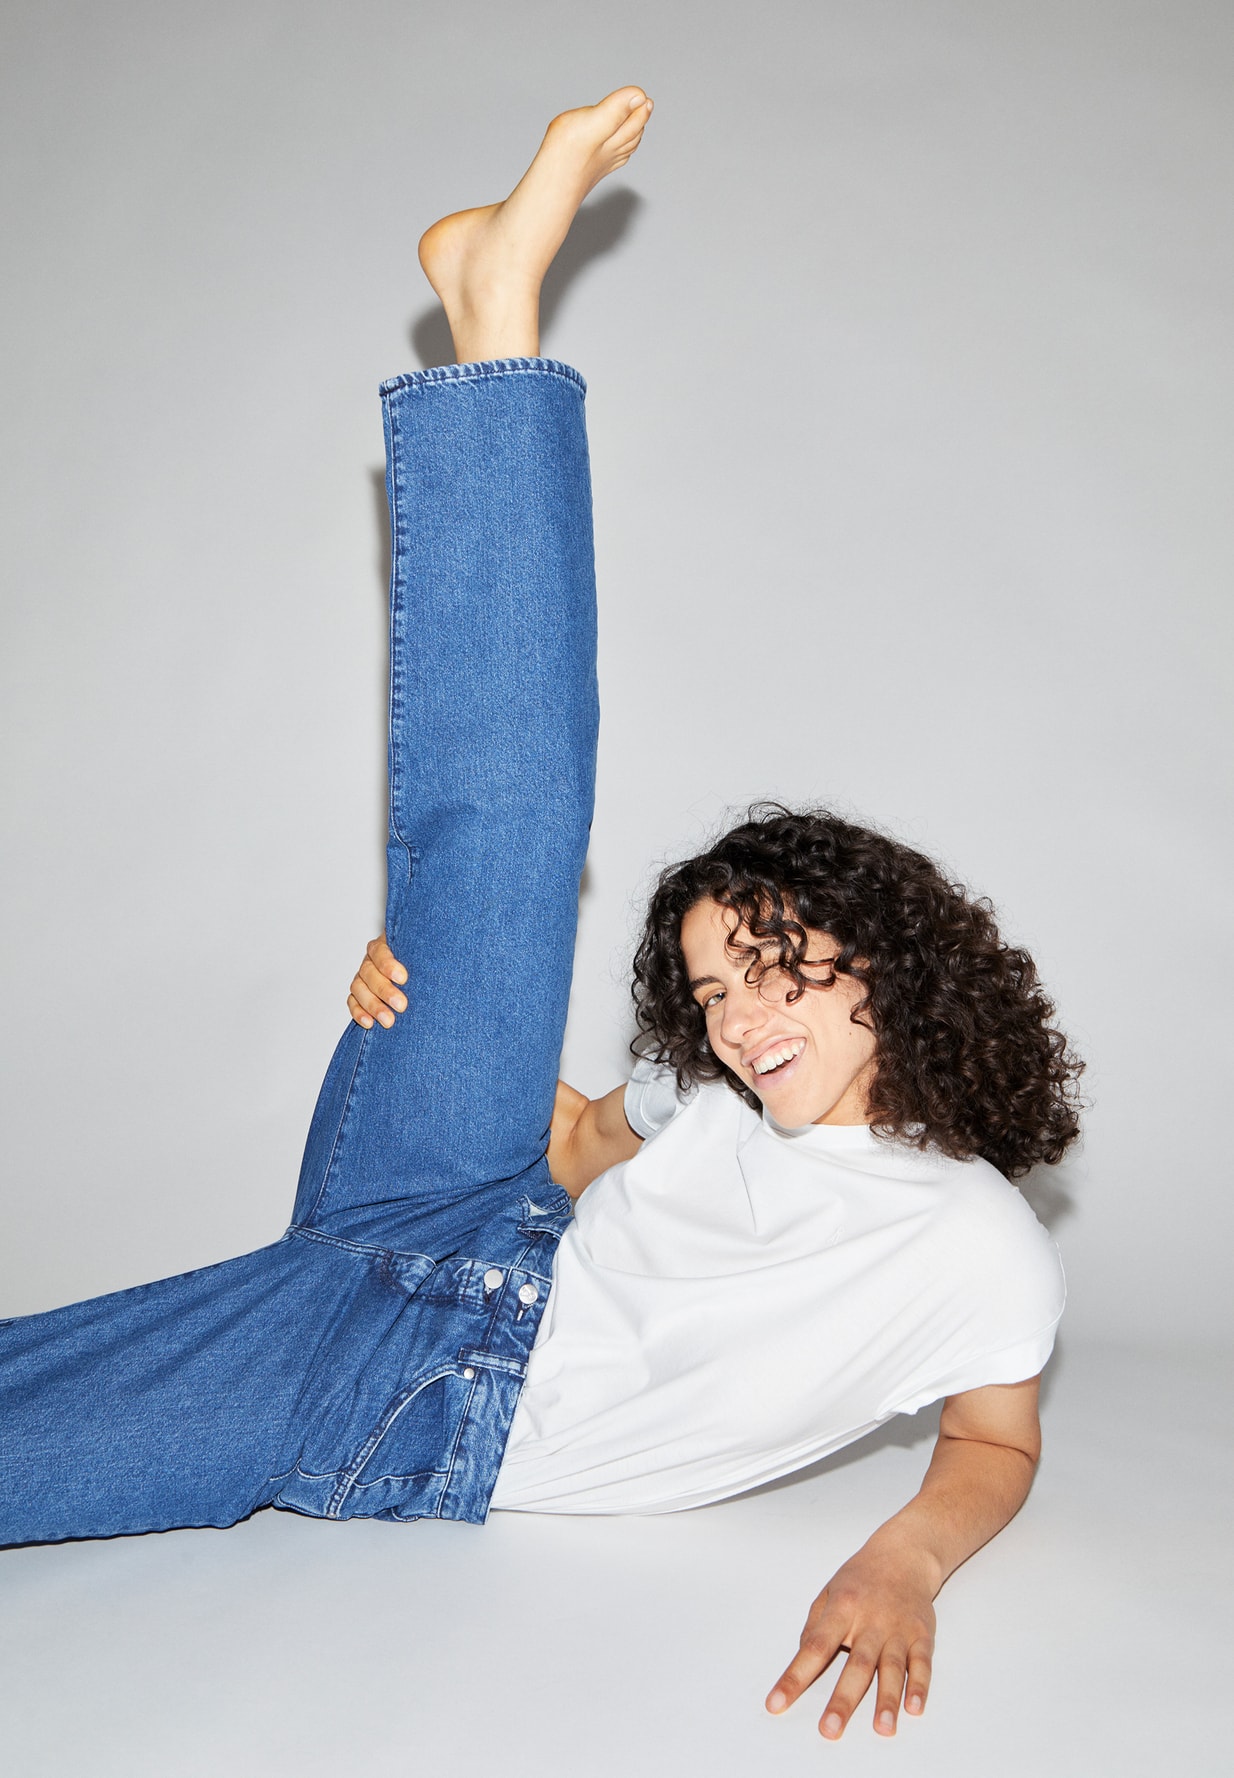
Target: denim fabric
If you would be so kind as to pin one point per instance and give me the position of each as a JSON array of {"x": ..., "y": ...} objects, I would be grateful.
[{"x": 369, "y": 1363}]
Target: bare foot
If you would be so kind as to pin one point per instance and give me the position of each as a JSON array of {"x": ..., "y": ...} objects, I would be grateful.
[{"x": 487, "y": 265}]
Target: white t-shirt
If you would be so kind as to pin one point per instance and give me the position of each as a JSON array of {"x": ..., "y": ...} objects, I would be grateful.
[{"x": 738, "y": 1300}]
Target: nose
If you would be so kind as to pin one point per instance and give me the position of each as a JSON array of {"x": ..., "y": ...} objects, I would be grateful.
[{"x": 744, "y": 1011}]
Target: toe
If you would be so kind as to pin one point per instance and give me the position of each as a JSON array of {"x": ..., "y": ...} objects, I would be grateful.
[
  {"x": 629, "y": 132},
  {"x": 622, "y": 107}
]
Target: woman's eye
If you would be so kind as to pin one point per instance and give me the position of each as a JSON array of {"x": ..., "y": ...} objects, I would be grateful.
[{"x": 712, "y": 1000}]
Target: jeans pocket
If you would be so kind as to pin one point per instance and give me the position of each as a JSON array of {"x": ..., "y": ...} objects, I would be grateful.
[{"x": 418, "y": 1432}]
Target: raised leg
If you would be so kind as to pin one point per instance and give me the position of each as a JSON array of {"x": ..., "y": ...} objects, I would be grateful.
[
  {"x": 421, "y": 1130},
  {"x": 492, "y": 737}
]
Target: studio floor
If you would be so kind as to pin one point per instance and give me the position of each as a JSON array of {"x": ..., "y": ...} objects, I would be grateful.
[{"x": 1092, "y": 1638}]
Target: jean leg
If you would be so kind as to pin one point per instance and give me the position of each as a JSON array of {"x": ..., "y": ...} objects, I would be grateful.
[
  {"x": 493, "y": 717},
  {"x": 165, "y": 1405},
  {"x": 315, "y": 1374},
  {"x": 199, "y": 1398}
]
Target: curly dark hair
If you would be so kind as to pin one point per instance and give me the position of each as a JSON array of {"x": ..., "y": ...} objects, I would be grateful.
[{"x": 967, "y": 1059}]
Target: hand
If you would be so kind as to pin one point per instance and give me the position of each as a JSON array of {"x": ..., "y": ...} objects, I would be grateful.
[
  {"x": 374, "y": 991},
  {"x": 880, "y": 1607}
]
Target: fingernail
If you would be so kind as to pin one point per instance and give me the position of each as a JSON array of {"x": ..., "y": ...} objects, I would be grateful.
[
  {"x": 886, "y": 1722},
  {"x": 916, "y": 1704},
  {"x": 776, "y": 1701},
  {"x": 386, "y": 1018},
  {"x": 635, "y": 103},
  {"x": 400, "y": 976},
  {"x": 400, "y": 1005},
  {"x": 832, "y": 1724}
]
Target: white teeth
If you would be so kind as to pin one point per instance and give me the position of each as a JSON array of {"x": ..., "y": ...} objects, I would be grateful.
[{"x": 776, "y": 1058}]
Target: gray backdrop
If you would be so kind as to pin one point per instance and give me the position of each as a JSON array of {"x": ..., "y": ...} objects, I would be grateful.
[{"x": 907, "y": 334}]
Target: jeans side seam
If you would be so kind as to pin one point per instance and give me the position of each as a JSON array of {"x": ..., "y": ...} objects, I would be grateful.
[
  {"x": 342, "y": 1124},
  {"x": 397, "y": 615}
]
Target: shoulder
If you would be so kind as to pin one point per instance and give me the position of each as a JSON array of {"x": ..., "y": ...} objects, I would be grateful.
[
  {"x": 986, "y": 1237},
  {"x": 990, "y": 1285}
]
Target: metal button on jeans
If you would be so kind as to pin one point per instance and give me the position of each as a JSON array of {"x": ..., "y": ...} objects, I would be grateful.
[
  {"x": 493, "y": 1278},
  {"x": 528, "y": 1294},
  {"x": 469, "y": 1373}
]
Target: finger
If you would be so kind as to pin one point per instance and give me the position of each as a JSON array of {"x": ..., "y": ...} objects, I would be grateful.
[
  {"x": 381, "y": 987},
  {"x": 920, "y": 1670},
  {"x": 851, "y": 1688},
  {"x": 371, "y": 1003},
  {"x": 380, "y": 954},
  {"x": 358, "y": 1013},
  {"x": 892, "y": 1666},
  {"x": 820, "y": 1644}
]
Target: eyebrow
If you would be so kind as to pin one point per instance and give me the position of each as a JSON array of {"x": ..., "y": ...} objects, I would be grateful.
[{"x": 702, "y": 981}]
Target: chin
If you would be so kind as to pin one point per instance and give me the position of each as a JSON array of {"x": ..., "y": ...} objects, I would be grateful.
[
  {"x": 789, "y": 1111},
  {"x": 794, "y": 1110}
]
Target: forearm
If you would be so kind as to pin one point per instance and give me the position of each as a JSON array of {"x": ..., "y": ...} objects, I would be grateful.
[
  {"x": 970, "y": 1491},
  {"x": 588, "y": 1137},
  {"x": 880, "y": 1604}
]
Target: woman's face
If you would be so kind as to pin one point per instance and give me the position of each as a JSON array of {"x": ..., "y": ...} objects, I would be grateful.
[{"x": 806, "y": 1059}]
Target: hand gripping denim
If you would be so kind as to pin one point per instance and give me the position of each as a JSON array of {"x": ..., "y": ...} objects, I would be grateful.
[{"x": 369, "y": 1363}]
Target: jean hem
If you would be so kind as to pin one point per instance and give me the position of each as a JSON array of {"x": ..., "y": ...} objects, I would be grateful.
[{"x": 483, "y": 370}]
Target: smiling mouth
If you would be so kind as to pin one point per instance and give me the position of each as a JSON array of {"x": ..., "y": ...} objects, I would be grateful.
[{"x": 773, "y": 1061}]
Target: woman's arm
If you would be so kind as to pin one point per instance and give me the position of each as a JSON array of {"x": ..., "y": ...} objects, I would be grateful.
[
  {"x": 588, "y": 1135},
  {"x": 880, "y": 1605}
]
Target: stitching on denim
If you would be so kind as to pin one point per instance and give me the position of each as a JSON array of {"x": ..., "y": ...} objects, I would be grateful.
[
  {"x": 462, "y": 1424},
  {"x": 499, "y": 1363},
  {"x": 306, "y": 1475},
  {"x": 495, "y": 1372},
  {"x": 458, "y": 1439},
  {"x": 456, "y": 376},
  {"x": 545, "y": 1222},
  {"x": 489, "y": 370},
  {"x": 347, "y": 1476},
  {"x": 367, "y": 1247},
  {"x": 521, "y": 1263},
  {"x": 397, "y": 612},
  {"x": 540, "y": 1277},
  {"x": 412, "y": 1475}
]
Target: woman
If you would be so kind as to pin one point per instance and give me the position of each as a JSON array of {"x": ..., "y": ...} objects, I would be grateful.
[{"x": 373, "y": 1361}]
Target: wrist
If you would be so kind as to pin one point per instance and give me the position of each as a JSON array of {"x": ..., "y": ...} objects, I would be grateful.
[{"x": 906, "y": 1542}]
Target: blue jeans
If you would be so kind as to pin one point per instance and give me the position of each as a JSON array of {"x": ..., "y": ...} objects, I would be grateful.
[{"x": 369, "y": 1363}]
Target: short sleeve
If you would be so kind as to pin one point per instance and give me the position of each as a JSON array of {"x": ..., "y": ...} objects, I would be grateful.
[
  {"x": 653, "y": 1097},
  {"x": 1002, "y": 1295},
  {"x": 1014, "y": 1364}
]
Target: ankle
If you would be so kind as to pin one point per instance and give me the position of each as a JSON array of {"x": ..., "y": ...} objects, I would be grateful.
[{"x": 503, "y": 328}]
